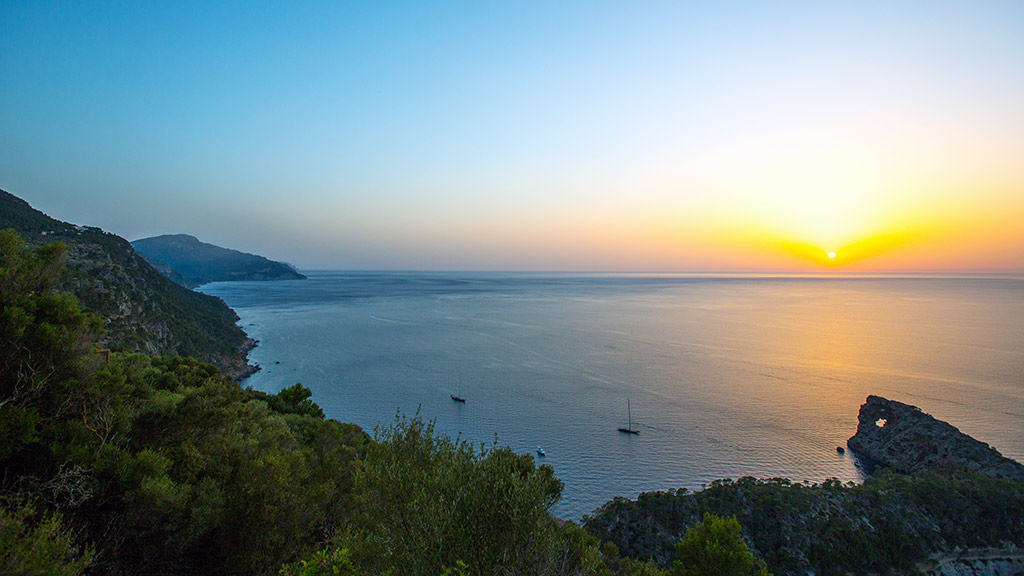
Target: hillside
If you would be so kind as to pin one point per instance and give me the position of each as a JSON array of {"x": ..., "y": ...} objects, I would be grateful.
[
  {"x": 142, "y": 465},
  {"x": 960, "y": 511},
  {"x": 189, "y": 262},
  {"x": 143, "y": 311}
]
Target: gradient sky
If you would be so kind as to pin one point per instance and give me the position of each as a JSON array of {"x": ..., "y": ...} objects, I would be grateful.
[{"x": 651, "y": 136}]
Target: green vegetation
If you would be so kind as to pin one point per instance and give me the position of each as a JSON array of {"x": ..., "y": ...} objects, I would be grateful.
[
  {"x": 429, "y": 505},
  {"x": 158, "y": 464},
  {"x": 428, "y": 502},
  {"x": 715, "y": 547},
  {"x": 141, "y": 310},
  {"x": 164, "y": 465},
  {"x": 30, "y": 544},
  {"x": 890, "y": 522}
]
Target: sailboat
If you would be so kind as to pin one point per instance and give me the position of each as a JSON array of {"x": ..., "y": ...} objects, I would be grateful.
[
  {"x": 456, "y": 395},
  {"x": 629, "y": 429}
]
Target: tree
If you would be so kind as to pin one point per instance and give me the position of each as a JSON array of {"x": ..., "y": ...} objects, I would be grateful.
[
  {"x": 31, "y": 543},
  {"x": 43, "y": 337},
  {"x": 715, "y": 547},
  {"x": 429, "y": 502}
]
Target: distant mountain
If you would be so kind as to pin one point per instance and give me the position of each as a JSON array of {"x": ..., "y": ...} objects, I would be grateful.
[
  {"x": 143, "y": 310},
  {"x": 189, "y": 262}
]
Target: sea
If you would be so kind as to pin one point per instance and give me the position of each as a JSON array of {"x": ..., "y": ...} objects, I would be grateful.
[{"x": 722, "y": 375}]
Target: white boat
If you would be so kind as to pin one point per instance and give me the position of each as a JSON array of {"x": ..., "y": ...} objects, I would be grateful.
[{"x": 540, "y": 451}]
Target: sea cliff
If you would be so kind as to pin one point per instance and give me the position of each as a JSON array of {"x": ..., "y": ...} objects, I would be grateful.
[{"x": 902, "y": 437}]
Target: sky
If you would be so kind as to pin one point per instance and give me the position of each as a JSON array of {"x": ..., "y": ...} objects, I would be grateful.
[{"x": 606, "y": 136}]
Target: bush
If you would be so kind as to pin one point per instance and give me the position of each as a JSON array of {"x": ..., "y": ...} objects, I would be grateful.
[{"x": 715, "y": 547}]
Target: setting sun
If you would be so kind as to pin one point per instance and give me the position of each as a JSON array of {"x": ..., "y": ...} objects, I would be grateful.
[{"x": 831, "y": 254}]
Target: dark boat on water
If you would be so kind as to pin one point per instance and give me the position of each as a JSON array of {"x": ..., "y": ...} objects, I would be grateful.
[
  {"x": 629, "y": 429},
  {"x": 457, "y": 396}
]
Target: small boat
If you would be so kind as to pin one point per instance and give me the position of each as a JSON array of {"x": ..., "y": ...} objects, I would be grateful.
[
  {"x": 458, "y": 389},
  {"x": 540, "y": 451},
  {"x": 629, "y": 414},
  {"x": 840, "y": 450}
]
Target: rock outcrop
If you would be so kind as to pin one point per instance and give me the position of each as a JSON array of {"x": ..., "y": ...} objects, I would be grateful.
[
  {"x": 902, "y": 437},
  {"x": 1008, "y": 561}
]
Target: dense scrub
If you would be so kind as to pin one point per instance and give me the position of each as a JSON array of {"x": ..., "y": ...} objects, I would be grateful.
[
  {"x": 158, "y": 465},
  {"x": 891, "y": 522},
  {"x": 163, "y": 465}
]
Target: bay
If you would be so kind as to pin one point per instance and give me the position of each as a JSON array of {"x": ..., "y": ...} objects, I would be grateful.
[{"x": 726, "y": 376}]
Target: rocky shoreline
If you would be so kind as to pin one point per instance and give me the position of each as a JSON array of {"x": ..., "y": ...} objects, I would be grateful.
[
  {"x": 936, "y": 502},
  {"x": 899, "y": 436}
]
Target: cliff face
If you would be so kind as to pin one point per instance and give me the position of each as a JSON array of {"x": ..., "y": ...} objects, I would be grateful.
[
  {"x": 904, "y": 438},
  {"x": 143, "y": 310},
  {"x": 189, "y": 262}
]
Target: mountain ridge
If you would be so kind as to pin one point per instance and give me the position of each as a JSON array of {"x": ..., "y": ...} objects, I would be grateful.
[{"x": 192, "y": 262}]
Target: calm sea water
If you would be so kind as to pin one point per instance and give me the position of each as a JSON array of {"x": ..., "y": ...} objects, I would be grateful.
[{"x": 726, "y": 376}]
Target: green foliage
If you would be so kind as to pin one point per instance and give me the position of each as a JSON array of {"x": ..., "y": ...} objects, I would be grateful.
[
  {"x": 428, "y": 501},
  {"x": 625, "y": 566},
  {"x": 430, "y": 504},
  {"x": 141, "y": 309},
  {"x": 211, "y": 467},
  {"x": 32, "y": 544},
  {"x": 715, "y": 547},
  {"x": 333, "y": 562},
  {"x": 43, "y": 338},
  {"x": 295, "y": 399},
  {"x": 890, "y": 522},
  {"x": 172, "y": 468},
  {"x": 165, "y": 464}
]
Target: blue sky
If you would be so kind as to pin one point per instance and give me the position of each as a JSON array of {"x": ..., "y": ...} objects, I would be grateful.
[{"x": 526, "y": 135}]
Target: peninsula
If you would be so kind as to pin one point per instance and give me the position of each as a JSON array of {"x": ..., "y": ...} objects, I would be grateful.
[{"x": 190, "y": 262}]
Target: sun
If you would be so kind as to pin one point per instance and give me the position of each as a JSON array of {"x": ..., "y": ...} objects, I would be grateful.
[{"x": 831, "y": 254}]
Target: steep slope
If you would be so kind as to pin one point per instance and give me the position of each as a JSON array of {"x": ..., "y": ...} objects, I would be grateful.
[
  {"x": 143, "y": 310},
  {"x": 197, "y": 262}
]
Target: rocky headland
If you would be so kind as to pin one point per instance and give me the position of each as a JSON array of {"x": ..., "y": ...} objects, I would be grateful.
[
  {"x": 936, "y": 502},
  {"x": 191, "y": 262},
  {"x": 901, "y": 437}
]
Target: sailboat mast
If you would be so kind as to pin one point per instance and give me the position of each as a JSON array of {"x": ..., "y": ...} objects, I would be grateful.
[{"x": 629, "y": 414}]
